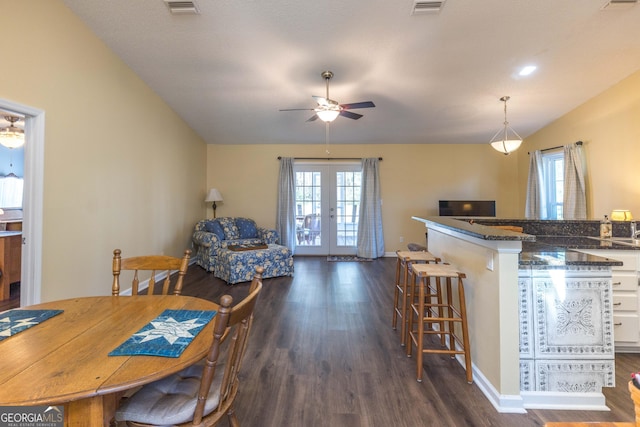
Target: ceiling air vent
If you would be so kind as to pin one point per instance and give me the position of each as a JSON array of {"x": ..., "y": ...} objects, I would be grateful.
[
  {"x": 619, "y": 4},
  {"x": 420, "y": 7},
  {"x": 182, "y": 7}
]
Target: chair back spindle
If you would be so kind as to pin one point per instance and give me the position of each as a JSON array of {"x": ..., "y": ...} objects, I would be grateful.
[
  {"x": 201, "y": 394},
  {"x": 152, "y": 265},
  {"x": 233, "y": 324}
]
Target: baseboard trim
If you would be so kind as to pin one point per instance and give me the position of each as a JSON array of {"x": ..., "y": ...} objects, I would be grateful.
[{"x": 564, "y": 401}]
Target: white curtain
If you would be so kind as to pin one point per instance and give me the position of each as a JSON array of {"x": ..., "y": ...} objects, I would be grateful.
[
  {"x": 574, "y": 200},
  {"x": 286, "y": 213},
  {"x": 370, "y": 238},
  {"x": 536, "y": 200},
  {"x": 11, "y": 188}
]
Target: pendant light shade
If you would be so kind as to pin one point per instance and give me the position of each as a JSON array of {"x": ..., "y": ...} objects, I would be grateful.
[
  {"x": 12, "y": 136},
  {"x": 506, "y": 140}
]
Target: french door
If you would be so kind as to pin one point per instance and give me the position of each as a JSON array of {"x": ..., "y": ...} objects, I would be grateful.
[{"x": 327, "y": 208}]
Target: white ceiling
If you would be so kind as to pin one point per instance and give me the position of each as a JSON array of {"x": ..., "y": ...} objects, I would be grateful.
[{"x": 435, "y": 78}]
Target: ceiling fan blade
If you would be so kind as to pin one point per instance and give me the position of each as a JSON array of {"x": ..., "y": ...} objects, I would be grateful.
[
  {"x": 320, "y": 100},
  {"x": 297, "y": 109},
  {"x": 350, "y": 115},
  {"x": 324, "y": 101},
  {"x": 365, "y": 104},
  {"x": 313, "y": 118}
]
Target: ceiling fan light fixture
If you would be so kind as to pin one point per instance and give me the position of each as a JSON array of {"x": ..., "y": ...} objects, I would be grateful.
[
  {"x": 328, "y": 109},
  {"x": 506, "y": 140},
  {"x": 327, "y": 115},
  {"x": 12, "y": 136}
]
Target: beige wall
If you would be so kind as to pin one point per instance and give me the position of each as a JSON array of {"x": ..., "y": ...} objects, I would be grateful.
[
  {"x": 414, "y": 178},
  {"x": 121, "y": 169},
  {"x": 609, "y": 126}
]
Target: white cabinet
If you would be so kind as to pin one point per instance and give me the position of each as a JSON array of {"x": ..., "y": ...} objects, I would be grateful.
[
  {"x": 624, "y": 283},
  {"x": 566, "y": 329}
]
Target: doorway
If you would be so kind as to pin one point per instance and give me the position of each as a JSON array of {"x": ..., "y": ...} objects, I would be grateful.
[
  {"x": 327, "y": 208},
  {"x": 31, "y": 266}
]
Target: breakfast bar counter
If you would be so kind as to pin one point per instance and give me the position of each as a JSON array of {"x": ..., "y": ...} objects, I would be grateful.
[{"x": 540, "y": 314}]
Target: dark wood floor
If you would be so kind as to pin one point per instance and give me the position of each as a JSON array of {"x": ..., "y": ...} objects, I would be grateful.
[{"x": 322, "y": 353}]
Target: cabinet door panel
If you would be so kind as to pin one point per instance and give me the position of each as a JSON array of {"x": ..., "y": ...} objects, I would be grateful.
[
  {"x": 626, "y": 328},
  {"x": 624, "y": 281},
  {"x": 627, "y": 302},
  {"x": 629, "y": 260}
]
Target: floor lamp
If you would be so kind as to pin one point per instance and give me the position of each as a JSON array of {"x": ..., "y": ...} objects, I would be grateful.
[{"x": 214, "y": 196}]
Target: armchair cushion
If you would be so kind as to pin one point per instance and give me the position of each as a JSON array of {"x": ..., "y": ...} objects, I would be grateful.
[
  {"x": 230, "y": 229},
  {"x": 215, "y": 228},
  {"x": 247, "y": 228}
]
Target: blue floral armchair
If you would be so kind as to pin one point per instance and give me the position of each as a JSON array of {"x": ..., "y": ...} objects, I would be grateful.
[{"x": 211, "y": 235}]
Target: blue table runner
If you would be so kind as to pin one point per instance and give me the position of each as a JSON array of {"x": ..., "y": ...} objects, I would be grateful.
[
  {"x": 168, "y": 335},
  {"x": 15, "y": 321}
]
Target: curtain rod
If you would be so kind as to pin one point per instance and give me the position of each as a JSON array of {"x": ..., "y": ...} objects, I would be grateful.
[
  {"x": 555, "y": 148},
  {"x": 327, "y": 158}
]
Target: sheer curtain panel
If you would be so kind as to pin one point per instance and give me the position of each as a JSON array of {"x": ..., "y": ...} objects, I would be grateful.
[
  {"x": 535, "y": 207},
  {"x": 370, "y": 238},
  {"x": 285, "y": 215},
  {"x": 574, "y": 200}
]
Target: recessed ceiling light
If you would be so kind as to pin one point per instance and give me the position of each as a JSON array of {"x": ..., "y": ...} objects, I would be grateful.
[{"x": 527, "y": 70}]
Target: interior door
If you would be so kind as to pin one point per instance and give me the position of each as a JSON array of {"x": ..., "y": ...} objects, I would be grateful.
[{"x": 327, "y": 202}]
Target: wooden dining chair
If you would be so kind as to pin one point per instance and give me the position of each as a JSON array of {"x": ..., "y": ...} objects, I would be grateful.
[
  {"x": 152, "y": 265},
  {"x": 210, "y": 387}
]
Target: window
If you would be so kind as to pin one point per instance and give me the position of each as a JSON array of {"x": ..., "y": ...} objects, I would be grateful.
[
  {"x": 11, "y": 192},
  {"x": 553, "y": 178}
]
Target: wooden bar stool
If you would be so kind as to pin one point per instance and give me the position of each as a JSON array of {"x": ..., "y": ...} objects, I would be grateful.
[
  {"x": 435, "y": 307},
  {"x": 402, "y": 294}
]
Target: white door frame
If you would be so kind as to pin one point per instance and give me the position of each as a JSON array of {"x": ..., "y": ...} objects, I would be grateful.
[
  {"x": 32, "y": 205},
  {"x": 328, "y": 244}
]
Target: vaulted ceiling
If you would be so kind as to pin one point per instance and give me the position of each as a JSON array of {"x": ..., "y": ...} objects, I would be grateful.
[{"x": 434, "y": 77}]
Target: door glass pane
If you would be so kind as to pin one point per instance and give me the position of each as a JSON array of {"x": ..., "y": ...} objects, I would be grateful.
[
  {"x": 308, "y": 208},
  {"x": 347, "y": 204}
]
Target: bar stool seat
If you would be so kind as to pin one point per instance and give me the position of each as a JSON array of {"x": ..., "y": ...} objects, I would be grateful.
[
  {"x": 401, "y": 295},
  {"x": 435, "y": 314}
]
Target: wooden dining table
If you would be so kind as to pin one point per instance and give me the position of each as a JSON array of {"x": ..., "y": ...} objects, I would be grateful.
[{"x": 64, "y": 360}]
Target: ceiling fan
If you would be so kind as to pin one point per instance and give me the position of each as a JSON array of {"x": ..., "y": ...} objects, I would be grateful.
[{"x": 328, "y": 109}]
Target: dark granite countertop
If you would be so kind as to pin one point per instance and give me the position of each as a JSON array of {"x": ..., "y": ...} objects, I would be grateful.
[
  {"x": 583, "y": 242},
  {"x": 558, "y": 258},
  {"x": 472, "y": 228},
  {"x": 557, "y": 251},
  {"x": 542, "y": 251}
]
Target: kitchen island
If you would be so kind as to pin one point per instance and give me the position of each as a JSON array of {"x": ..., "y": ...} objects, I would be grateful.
[{"x": 540, "y": 315}]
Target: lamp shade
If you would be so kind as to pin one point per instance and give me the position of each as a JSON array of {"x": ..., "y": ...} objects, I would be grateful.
[
  {"x": 213, "y": 196},
  {"x": 621, "y": 215}
]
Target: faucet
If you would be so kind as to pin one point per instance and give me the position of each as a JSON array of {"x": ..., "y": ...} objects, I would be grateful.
[{"x": 635, "y": 233}]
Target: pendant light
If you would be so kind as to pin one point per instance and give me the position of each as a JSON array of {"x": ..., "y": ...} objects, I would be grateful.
[
  {"x": 506, "y": 140},
  {"x": 12, "y": 136}
]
